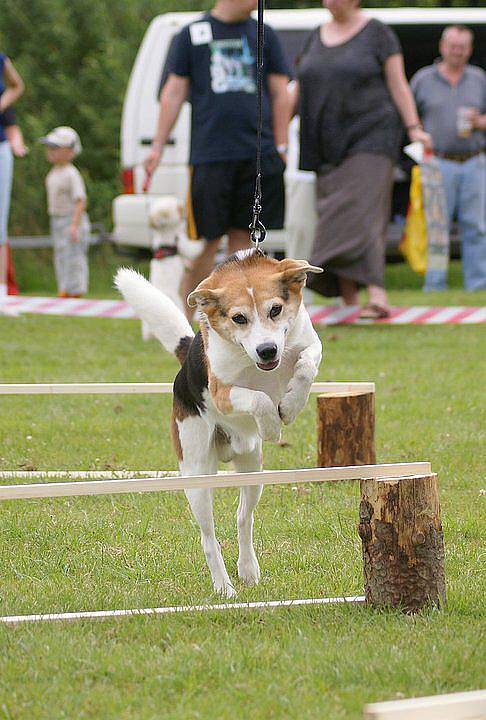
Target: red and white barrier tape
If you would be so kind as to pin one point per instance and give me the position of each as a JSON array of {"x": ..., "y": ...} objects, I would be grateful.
[{"x": 320, "y": 314}]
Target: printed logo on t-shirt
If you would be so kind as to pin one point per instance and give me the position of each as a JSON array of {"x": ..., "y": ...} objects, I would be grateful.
[
  {"x": 232, "y": 66},
  {"x": 201, "y": 33}
]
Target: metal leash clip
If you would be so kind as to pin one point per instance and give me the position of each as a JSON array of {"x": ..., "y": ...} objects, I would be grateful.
[{"x": 257, "y": 229}]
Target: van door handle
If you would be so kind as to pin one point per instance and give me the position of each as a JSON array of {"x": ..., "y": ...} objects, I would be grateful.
[{"x": 148, "y": 141}]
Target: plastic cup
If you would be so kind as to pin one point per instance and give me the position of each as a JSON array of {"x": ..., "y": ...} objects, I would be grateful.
[{"x": 464, "y": 121}]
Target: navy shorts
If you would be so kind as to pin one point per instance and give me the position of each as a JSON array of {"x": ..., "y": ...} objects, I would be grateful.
[{"x": 221, "y": 195}]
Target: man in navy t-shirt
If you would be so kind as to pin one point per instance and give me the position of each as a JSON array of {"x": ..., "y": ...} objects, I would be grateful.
[{"x": 212, "y": 63}]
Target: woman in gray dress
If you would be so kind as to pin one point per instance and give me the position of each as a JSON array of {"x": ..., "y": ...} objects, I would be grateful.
[{"x": 352, "y": 96}]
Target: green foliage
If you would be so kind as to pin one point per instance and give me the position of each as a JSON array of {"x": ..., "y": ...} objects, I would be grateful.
[{"x": 75, "y": 59}]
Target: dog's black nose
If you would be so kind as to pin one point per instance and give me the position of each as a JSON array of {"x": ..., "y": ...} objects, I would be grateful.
[{"x": 267, "y": 351}]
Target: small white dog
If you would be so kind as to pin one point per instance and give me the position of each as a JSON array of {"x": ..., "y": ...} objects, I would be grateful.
[
  {"x": 172, "y": 250},
  {"x": 248, "y": 370}
]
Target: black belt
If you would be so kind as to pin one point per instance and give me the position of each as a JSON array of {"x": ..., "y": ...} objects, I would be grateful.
[{"x": 459, "y": 157}]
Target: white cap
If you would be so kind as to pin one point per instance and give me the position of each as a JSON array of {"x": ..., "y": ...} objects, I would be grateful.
[{"x": 63, "y": 137}]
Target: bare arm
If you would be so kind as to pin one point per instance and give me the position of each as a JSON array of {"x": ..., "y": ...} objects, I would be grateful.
[
  {"x": 15, "y": 86},
  {"x": 293, "y": 89},
  {"x": 78, "y": 211},
  {"x": 479, "y": 122},
  {"x": 172, "y": 98},
  {"x": 14, "y": 135},
  {"x": 279, "y": 99},
  {"x": 402, "y": 96}
]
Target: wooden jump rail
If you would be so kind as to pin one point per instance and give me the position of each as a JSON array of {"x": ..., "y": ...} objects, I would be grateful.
[
  {"x": 453, "y": 706},
  {"x": 229, "y": 480},
  {"x": 345, "y": 413},
  {"x": 399, "y": 514},
  {"x": 399, "y": 525},
  {"x": 148, "y": 388}
]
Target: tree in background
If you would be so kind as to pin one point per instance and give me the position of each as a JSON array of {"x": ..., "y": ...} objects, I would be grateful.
[{"x": 75, "y": 58}]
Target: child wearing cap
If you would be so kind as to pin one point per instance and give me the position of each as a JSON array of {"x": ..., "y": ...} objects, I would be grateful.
[{"x": 66, "y": 201}]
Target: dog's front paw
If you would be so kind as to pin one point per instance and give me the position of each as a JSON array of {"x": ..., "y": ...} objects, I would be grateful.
[
  {"x": 269, "y": 425},
  {"x": 249, "y": 570},
  {"x": 291, "y": 405},
  {"x": 266, "y": 417},
  {"x": 298, "y": 389}
]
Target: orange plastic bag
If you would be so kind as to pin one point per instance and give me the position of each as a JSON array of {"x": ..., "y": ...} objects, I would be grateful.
[{"x": 413, "y": 244}]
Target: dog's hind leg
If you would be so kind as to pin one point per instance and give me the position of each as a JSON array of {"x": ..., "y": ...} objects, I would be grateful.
[
  {"x": 200, "y": 458},
  {"x": 248, "y": 567},
  {"x": 201, "y": 502}
]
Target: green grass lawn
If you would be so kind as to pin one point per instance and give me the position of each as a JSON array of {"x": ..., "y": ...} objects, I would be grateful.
[{"x": 143, "y": 550}]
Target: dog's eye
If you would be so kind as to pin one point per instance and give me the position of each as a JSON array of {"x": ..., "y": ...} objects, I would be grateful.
[
  {"x": 239, "y": 319},
  {"x": 276, "y": 310}
]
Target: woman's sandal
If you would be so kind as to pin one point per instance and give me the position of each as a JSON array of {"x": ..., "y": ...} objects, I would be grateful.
[{"x": 372, "y": 311}]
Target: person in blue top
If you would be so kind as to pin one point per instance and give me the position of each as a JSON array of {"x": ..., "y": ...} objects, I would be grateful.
[
  {"x": 212, "y": 63},
  {"x": 11, "y": 88}
]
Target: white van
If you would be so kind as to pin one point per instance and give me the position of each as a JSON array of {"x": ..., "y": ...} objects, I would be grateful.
[{"x": 419, "y": 31}]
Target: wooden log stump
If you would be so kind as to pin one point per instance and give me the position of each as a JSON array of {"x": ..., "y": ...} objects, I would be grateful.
[
  {"x": 403, "y": 546},
  {"x": 346, "y": 429}
]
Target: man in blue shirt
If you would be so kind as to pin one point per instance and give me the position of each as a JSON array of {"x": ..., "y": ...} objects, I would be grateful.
[
  {"x": 451, "y": 100},
  {"x": 212, "y": 63}
]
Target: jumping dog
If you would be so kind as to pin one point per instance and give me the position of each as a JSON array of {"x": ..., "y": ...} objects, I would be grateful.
[{"x": 248, "y": 370}]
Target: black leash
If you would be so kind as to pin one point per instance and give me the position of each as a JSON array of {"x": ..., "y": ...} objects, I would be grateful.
[{"x": 257, "y": 228}]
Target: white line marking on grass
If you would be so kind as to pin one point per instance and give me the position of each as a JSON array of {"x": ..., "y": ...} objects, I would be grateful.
[
  {"x": 86, "y": 474},
  {"x": 106, "y": 614}
]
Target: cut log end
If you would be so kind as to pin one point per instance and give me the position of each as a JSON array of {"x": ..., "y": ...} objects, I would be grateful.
[
  {"x": 346, "y": 429},
  {"x": 403, "y": 547}
]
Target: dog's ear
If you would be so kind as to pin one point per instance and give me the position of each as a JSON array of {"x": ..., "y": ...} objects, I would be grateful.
[
  {"x": 204, "y": 296},
  {"x": 294, "y": 272}
]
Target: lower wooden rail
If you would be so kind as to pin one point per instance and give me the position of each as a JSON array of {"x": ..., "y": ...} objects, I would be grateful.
[
  {"x": 453, "y": 706},
  {"x": 266, "y": 477}
]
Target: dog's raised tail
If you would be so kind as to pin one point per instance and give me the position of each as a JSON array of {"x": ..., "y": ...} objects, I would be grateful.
[{"x": 165, "y": 320}]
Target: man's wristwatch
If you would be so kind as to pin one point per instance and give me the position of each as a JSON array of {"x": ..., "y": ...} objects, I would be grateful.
[{"x": 282, "y": 149}]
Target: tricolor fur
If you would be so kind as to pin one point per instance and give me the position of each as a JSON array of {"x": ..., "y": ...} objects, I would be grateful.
[{"x": 248, "y": 370}]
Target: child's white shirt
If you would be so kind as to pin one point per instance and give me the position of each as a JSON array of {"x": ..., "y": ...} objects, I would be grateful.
[{"x": 65, "y": 186}]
